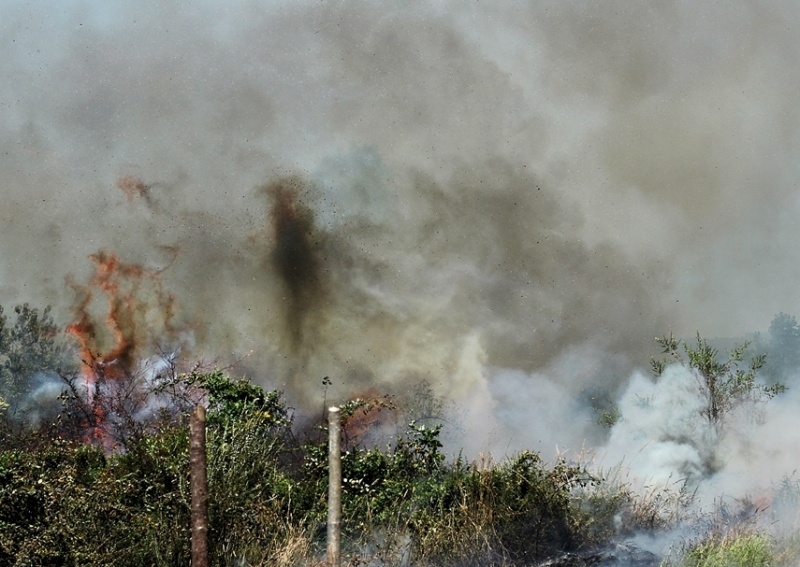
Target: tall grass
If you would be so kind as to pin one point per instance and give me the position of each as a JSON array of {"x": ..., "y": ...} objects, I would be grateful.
[{"x": 733, "y": 550}]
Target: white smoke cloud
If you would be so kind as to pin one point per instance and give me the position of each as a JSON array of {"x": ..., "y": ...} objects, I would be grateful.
[
  {"x": 41, "y": 406},
  {"x": 661, "y": 434},
  {"x": 663, "y": 442}
]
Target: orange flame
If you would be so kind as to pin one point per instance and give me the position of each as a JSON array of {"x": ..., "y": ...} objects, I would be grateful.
[{"x": 110, "y": 351}]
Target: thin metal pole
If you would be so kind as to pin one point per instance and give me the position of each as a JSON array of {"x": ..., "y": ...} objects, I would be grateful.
[
  {"x": 199, "y": 486},
  {"x": 334, "y": 487}
]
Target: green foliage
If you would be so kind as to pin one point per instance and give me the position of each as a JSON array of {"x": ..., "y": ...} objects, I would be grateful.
[
  {"x": 422, "y": 405},
  {"x": 29, "y": 346},
  {"x": 726, "y": 382},
  {"x": 519, "y": 510},
  {"x": 531, "y": 505},
  {"x": 377, "y": 480},
  {"x": 744, "y": 550},
  {"x": 251, "y": 509},
  {"x": 516, "y": 511},
  {"x": 254, "y": 505},
  {"x": 65, "y": 503},
  {"x": 268, "y": 495},
  {"x": 783, "y": 347},
  {"x": 68, "y": 505},
  {"x": 231, "y": 399},
  {"x": 614, "y": 507},
  {"x": 608, "y": 418}
]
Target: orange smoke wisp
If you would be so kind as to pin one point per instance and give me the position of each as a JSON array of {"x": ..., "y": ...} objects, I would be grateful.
[{"x": 133, "y": 187}]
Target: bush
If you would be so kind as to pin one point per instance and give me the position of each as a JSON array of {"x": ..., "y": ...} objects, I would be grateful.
[{"x": 70, "y": 504}]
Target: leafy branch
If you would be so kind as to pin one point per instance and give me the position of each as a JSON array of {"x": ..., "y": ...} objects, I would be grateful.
[{"x": 727, "y": 382}]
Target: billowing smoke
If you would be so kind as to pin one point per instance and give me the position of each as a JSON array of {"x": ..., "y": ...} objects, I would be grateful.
[
  {"x": 741, "y": 467},
  {"x": 506, "y": 201},
  {"x": 662, "y": 434}
]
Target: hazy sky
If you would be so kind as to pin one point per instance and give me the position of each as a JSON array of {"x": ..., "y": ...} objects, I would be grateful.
[{"x": 512, "y": 182}]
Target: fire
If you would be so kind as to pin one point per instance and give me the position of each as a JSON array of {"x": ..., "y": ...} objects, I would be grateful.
[{"x": 137, "y": 306}]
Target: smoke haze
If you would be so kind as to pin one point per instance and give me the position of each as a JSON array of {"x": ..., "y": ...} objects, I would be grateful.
[{"x": 508, "y": 200}]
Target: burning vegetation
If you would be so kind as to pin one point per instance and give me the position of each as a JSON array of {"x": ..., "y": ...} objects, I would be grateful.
[
  {"x": 139, "y": 312},
  {"x": 113, "y": 347},
  {"x": 121, "y": 383}
]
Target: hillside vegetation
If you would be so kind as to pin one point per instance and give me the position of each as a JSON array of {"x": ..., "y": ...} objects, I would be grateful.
[{"x": 101, "y": 478}]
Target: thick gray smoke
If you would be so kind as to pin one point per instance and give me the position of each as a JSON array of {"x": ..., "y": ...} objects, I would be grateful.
[{"x": 509, "y": 201}]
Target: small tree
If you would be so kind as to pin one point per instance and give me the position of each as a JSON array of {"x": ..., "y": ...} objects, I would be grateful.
[
  {"x": 726, "y": 383},
  {"x": 783, "y": 346},
  {"x": 30, "y": 346}
]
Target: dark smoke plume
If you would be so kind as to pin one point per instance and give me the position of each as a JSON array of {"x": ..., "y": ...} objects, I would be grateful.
[{"x": 297, "y": 258}]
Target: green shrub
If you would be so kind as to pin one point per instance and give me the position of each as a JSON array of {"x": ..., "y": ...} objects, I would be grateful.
[{"x": 68, "y": 504}]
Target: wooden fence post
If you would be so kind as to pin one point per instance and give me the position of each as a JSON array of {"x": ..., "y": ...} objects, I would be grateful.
[
  {"x": 199, "y": 486},
  {"x": 334, "y": 487}
]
